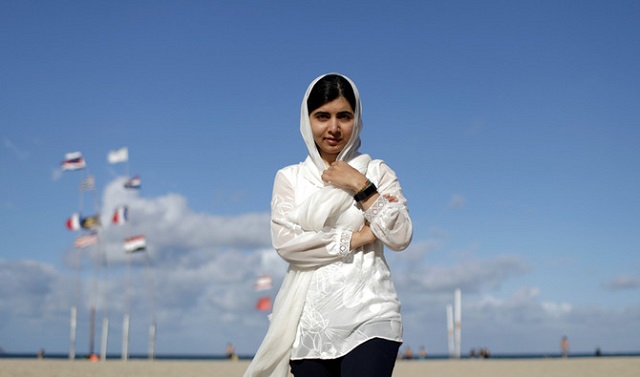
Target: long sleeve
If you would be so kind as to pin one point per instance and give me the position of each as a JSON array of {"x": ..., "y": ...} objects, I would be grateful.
[
  {"x": 389, "y": 221},
  {"x": 302, "y": 248}
]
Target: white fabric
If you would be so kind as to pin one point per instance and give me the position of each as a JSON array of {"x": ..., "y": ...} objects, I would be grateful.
[{"x": 326, "y": 283}]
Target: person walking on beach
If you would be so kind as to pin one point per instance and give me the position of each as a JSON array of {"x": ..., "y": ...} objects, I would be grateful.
[
  {"x": 337, "y": 312},
  {"x": 564, "y": 346}
]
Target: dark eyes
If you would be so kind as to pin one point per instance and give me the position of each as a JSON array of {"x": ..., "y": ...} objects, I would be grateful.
[
  {"x": 344, "y": 115},
  {"x": 322, "y": 116}
]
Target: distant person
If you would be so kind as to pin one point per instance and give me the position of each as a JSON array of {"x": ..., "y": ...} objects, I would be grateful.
[
  {"x": 564, "y": 346},
  {"x": 331, "y": 218},
  {"x": 231, "y": 352},
  {"x": 408, "y": 353},
  {"x": 41, "y": 353},
  {"x": 422, "y": 353}
]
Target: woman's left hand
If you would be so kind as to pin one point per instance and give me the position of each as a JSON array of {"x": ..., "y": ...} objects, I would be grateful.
[{"x": 344, "y": 176}]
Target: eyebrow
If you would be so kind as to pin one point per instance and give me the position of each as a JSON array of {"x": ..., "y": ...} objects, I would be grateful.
[{"x": 344, "y": 112}]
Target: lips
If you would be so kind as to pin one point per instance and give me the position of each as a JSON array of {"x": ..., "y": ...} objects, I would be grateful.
[{"x": 332, "y": 141}]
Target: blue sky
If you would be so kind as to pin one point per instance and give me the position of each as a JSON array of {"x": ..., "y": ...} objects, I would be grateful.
[{"x": 513, "y": 126}]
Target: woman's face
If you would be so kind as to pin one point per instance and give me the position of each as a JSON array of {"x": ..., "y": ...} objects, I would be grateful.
[{"x": 332, "y": 126}]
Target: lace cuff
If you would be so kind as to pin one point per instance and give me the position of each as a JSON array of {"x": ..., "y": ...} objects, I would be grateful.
[
  {"x": 341, "y": 244},
  {"x": 376, "y": 209}
]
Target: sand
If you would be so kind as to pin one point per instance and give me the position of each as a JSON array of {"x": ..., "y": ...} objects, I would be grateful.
[{"x": 578, "y": 367}]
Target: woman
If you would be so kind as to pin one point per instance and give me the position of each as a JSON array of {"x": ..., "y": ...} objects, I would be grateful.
[{"x": 337, "y": 312}]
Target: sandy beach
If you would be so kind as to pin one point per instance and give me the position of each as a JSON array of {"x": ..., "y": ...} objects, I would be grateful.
[{"x": 578, "y": 367}]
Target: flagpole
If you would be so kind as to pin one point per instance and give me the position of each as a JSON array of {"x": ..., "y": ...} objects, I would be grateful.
[
  {"x": 74, "y": 308},
  {"x": 152, "y": 304},
  {"x": 152, "y": 341},
  {"x": 125, "y": 337},
  {"x": 125, "y": 320},
  {"x": 458, "y": 321},
  {"x": 105, "y": 295},
  {"x": 450, "y": 330},
  {"x": 90, "y": 185},
  {"x": 118, "y": 156},
  {"x": 92, "y": 310},
  {"x": 75, "y": 161},
  {"x": 100, "y": 260},
  {"x": 105, "y": 336},
  {"x": 72, "y": 335}
]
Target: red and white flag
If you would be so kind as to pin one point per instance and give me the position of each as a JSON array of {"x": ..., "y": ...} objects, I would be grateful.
[
  {"x": 73, "y": 222},
  {"x": 263, "y": 283},
  {"x": 136, "y": 243},
  {"x": 120, "y": 215},
  {"x": 86, "y": 240},
  {"x": 73, "y": 161},
  {"x": 264, "y": 304}
]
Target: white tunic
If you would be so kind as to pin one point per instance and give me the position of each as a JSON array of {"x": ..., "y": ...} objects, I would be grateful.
[
  {"x": 332, "y": 299},
  {"x": 351, "y": 297}
]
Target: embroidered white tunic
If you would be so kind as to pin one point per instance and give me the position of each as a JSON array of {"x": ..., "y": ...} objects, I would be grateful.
[
  {"x": 351, "y": 297},
  {"x": 332, "y": 299}
]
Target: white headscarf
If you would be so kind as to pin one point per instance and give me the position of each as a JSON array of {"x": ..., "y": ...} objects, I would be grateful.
[
  {"x": 322, "y": 208},
  {"x": 351, "y": 149}
]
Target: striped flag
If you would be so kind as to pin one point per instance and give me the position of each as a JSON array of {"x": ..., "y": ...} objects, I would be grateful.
[
  {"x": 88, "y": 183},
  {"x": 85, "y": 240},
  {"x": 121, "y": 215},
  {"x": 73, "y": 161},
  {"x": 73, "y": 222},
  {"x": 118, "y": 155},
  {"x": 136, "y": 243},
  {"x": 133, "y": 183},
  {"x": 263, "y": 283}
]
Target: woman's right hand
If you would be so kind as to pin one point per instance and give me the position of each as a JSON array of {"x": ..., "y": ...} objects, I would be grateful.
[{"x": 362, "y": 237}]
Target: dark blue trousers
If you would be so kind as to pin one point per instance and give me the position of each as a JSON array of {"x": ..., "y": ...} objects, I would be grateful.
[{"x": 373, "y": 358}]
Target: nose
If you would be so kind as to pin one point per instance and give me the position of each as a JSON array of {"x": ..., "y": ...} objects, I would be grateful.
[{"x": 334, "y": 125}]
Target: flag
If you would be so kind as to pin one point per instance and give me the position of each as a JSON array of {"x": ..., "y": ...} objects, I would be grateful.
[
  {"x": 133, "y": 183},
  {"x": 88, "y": 183},
  {"x": 91, "y": 222},
  {"x": 263, "y": 283},
  {"x": 120, "y": 215},
  {"x": 73, "y": 161},
  {"x": 73, "y": 222},
  {"x": 118, "y": 155},
  {"x": 136, "y": 243},
  {"x": 264, "y": 304},
  {"x": 85, "y": 240}
]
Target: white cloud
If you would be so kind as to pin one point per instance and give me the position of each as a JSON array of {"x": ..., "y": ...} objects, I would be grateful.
[
  {"x": 173, "y": 231},
  {"x": 30, "y": 289},
  {"x": 623, "y": 282},
  {"x": 471, "y": 275}
]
